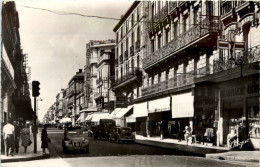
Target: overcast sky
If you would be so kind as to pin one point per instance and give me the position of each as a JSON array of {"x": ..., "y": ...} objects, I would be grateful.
[{"x": 56, "y": 44}]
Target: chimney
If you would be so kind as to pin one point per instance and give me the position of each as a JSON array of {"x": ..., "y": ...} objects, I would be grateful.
[{"x": 80, "y": 70}]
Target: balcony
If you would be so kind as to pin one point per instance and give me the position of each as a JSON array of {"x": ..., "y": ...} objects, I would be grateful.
[
  {"x": 247, "y": 57},
  {"x": 103, "y": 57},
  {"x": 93, "y": 60},
  {"x": 130, "y": 74},
  {"x": 172, "y": 83},
  {"x": 184, "y": 40},
  {"x": 172, "y": 6},
  {"x": 228, "y": 7},
  {"x": 132, "y": 50},
  {"x": 71, "y": 93},
  {"x": 126, "y": 55},
  {"x": 137, "y": 45}
]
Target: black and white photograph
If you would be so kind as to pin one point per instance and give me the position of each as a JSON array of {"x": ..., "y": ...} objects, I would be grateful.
[{"x": 128, "y": 83}]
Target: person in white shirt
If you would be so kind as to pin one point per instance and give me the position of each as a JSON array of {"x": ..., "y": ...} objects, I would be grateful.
[{"x": 8, "y": 133}]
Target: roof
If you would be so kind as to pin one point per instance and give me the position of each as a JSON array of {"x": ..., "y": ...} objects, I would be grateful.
[{"x": 128, "y": 12}]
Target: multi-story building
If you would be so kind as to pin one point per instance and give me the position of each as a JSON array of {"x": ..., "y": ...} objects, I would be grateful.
[
  {"x": 59, "y": 104},
  {"x": 104, "y": 96},
  {"x": 130, "y": 49},
  {"x": 201, "y": 66},
  {"x": 15, "y": 95},
  {"x": 75, "y": 89}
]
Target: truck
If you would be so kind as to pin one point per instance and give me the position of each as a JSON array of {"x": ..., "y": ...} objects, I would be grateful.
[{"x": 103, "y": 128}]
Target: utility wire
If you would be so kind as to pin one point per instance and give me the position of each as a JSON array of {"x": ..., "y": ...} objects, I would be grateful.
[{"x": 90, "y": 16}]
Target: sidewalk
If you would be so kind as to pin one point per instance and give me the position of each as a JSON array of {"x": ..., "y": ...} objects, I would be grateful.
[
  {"x": 197, "y": 149},
  {"x": 30, "y": 155}
]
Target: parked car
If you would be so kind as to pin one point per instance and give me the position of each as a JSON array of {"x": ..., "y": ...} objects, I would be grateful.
[
  {"x": 103, "y": 129},
  {"x": 74, "y": 140},
  {"x": 123, "y": 134}
]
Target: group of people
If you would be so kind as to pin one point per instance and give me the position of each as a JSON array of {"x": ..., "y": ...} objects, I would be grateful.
[
  {"x": 13, "y": 131},
  {"x": 12, "y": 135}
]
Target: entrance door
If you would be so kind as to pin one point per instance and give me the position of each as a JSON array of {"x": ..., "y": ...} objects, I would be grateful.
[{"x": 232, "y": 113}]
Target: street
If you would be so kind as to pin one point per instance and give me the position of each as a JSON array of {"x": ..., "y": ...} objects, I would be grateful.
[{"x": 103, "y": 153}]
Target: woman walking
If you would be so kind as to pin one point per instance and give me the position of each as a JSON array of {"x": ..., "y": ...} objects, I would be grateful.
[
  {"x": 44, "y": 139},
  {"x": 25, "y": 136}
]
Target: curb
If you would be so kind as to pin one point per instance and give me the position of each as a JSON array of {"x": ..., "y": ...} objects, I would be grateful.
[
  {"x": 231, "y": 158},
  {"x": 38, "y": 157},
  {"x": 168, "y": 148}
]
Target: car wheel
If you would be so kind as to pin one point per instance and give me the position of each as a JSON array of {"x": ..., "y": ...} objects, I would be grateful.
[
  {"x": 64, "y": 149},
  {"x": 87, "y": 149}
]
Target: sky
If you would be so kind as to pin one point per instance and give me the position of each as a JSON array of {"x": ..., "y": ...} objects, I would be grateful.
[{"x": 56, "y": 44}]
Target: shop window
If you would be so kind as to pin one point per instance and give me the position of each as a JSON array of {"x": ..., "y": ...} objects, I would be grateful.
[{"x": 254, "y": 121}]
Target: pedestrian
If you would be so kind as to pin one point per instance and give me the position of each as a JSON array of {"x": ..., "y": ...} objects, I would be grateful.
[
  {"x": 25, "y": 136},
  {"x": 44, "y": 138},
  {"x": 187, "y": 133},
  {"x": 17, "y": 132},
  {"x": 8, "y": 133}
]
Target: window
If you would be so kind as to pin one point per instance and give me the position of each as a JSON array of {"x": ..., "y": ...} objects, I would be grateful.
[
  {"x": 116, "y": 37},
  {"x": 126, "y": 44},
  {"x": 137, "y": 92},
  {"x": 122, "y": 48},
  {"x": 152, "y": 45},
  {"x": 133, "y": 39},
  {"x": 175, "y": 33},
  {"x": 126, "y": 26},
  {"x": 159, "y": 41},
  {"x": 159, "y": 77},
  {"x": 167, "y": 74},
  {"x": 138, "y": 61},
  {"x": 121, "y": 32},
  {"x": 195, "y": 15},
  {"x": 132, "y": 20},
  {"x": 185, "y": 19},
  {"x": 137, "y": 14},
  {"x": 138, "y": 33},
  {"x": 166, "y": 36}
]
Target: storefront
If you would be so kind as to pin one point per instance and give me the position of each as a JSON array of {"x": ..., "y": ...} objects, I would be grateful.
[
  {"x": 205, "y": 106},
  {"x": 240, "y": 109},
  {"x": 159, "y": 114},
  {"x": 182, "y": 114},
  {"x": 141, "y": 113}
]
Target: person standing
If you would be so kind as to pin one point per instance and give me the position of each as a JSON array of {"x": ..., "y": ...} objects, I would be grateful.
[
  {"x": 25, "y": 136},
  {"x": 44, "y": 138},
  {"x": 17, "y": 132},
  {"x": 8, "y": 133}
]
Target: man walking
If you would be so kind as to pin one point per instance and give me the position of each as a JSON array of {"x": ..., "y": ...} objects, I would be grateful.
[
  {"x": 17, "y": 135},
  {"x": 8, "y": 133}
]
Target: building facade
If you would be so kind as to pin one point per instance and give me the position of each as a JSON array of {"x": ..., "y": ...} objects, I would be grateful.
[
  {"x": 15, "y": 95},
  {"x": 198, "y": 66},
  {"x": 130, "y": 50},
  {"x": 75, "y": 89}
]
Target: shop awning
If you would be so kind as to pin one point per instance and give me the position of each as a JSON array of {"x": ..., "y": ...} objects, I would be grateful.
[
  {"x": 97, "y": 116},
  {"x": 182, "y": 105},
  {"x": 65, "y": 120},
  {"x": 159, "y": 105},
  {"x": 112, "y": 115},
  {"x": 123, "y": 111},
  {"x": 140, "y": 110},
  {"x": 130, "y": 119}
]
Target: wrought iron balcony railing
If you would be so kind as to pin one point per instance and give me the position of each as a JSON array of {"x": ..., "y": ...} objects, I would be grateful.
[
  {"x": 172, "y": 83},
  {"x": 132, "y": 50},
  {"x": 172, "y": 5},
  {"x": 185, "y": 38},
  {"x": 130, "y": 73},
  {"x": 245, "y": 57}
]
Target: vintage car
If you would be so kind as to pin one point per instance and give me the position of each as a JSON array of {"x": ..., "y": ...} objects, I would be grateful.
[
  {"x": 75, "y": 140},
  {"x": 123, "y": 134}
]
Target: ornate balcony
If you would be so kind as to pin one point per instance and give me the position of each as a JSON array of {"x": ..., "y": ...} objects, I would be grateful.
[
  {"x": 172, "y": 83},
  {"x": 130, "y": 74},
  {"x": 132, "y": 51},
  {"x": 172, "y": 5},
  {"x": 173, "y": 46},
  {"x": 245, "y": 57}
]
